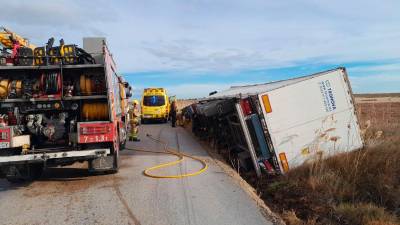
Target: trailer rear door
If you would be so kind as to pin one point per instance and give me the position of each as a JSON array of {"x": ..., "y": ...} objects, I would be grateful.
[{"x": 310, "y": 118}]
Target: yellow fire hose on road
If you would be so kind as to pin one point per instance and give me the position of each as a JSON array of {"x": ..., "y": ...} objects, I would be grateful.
[{"x": 170, "y": 152}]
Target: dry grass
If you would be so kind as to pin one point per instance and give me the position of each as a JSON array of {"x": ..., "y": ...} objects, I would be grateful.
[
  {"x": 291, "y": 218},
  {"x": 361, "y": 187},
  {"x": 360, "y": 214}
]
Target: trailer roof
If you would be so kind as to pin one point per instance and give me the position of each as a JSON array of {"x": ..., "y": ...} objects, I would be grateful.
[{"x": 247, "y": 90}]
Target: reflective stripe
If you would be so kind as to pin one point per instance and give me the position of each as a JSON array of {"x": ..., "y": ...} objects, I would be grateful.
[{"x": 53, "y": 155}]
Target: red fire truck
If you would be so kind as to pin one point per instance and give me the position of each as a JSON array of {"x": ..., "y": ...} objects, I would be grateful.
[{"x": 65, "y": 105}]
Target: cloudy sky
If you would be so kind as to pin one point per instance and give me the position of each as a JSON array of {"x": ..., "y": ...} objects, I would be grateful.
[{"x": 193, "y": 47}]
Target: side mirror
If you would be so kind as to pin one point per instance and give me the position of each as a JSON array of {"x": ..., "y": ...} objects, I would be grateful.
[{"x": 129, "y": 92}]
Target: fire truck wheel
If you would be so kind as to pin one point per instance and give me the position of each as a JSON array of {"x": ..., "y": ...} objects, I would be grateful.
[
  {"x": 115, "y": 164},
  {"x": 123, "y": 134},
  {"x": 116, "y": 158},
  {"x": 122, "y": 146}
]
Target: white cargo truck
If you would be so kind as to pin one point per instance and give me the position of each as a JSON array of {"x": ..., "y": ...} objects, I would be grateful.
[{"x": 280, "y": 125}]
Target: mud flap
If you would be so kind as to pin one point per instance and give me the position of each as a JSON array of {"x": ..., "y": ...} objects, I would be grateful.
[
  {"x": 109, "y": 163},
  {"x": 102, "y": 164}
]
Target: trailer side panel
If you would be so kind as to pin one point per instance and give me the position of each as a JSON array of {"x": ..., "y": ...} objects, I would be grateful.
[{"x": 311, "y": 118}]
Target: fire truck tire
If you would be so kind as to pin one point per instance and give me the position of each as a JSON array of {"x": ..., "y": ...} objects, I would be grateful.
[
  {"x": 123, "y": 136},
  {"x": 116, "y": 163},
  {"x": 116, "y": 158},
  {"x": 122, "y": 146}
]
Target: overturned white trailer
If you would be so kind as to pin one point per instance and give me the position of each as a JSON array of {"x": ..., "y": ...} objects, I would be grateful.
[{"x": 289, "y": 122}]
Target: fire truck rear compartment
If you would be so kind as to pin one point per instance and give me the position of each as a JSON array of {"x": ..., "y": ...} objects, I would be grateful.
[{"x": 47, "y": 105}]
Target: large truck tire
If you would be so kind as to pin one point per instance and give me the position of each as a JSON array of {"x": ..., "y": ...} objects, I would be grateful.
[
  {"x": 122, "y": 146},
  {"x": 124, "y": 136},
  {"x": 115, "y": 148},
  {"x": 116, "y": 162}
]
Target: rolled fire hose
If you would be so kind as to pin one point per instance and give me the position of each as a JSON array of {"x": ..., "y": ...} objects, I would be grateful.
[
  {"x": 86, "y": 85},
  {"x": 94, "y": 111},
  {"x": 82, "y": 84},
  {"x": 14, "y": 88},
  {"x": 170, "y": 151},
  {"x": 4, "y": 88},
  {"x": 91, "y": 85},
  {"x": 51, "y": 83},
  {"x": 19, "y": 87}
]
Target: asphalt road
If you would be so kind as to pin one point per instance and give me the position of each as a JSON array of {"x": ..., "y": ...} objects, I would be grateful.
[{"x": 72, "y": 196}]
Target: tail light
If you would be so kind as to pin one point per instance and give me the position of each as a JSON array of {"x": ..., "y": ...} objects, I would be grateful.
[{"x": 246, "y": 107}]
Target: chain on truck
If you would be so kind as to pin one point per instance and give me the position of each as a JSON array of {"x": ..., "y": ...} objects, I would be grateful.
[{"x": 59, "y": 105}]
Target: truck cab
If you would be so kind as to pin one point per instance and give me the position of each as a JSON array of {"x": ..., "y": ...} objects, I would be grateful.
[{"x": 155, "y": 105}]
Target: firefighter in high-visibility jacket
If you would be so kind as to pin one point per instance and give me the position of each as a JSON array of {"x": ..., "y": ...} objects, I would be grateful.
[{"x": 134, "y": 115}]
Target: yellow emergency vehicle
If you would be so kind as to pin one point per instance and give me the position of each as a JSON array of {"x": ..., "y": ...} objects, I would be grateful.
[{"x": 155, "y": 105}]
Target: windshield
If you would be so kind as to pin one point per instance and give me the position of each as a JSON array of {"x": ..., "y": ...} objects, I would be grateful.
[{"x": 155, "y": 100}]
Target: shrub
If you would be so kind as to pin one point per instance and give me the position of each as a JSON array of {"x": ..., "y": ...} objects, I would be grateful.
[{"x": 363, "y": 214}]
